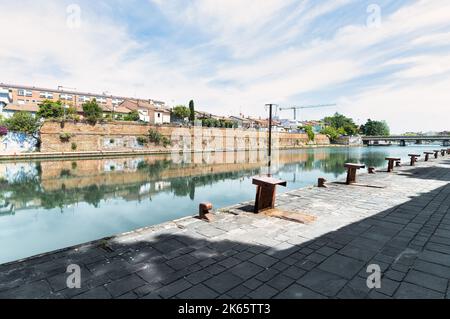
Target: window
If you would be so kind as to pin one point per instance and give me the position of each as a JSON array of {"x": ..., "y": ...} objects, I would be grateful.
[
  {"x": 21, "y": 102},
  {"x": 46, "y": 95},
  {"x": 23, "y": 92},
  {"x": 66, "y": 97},
  {"x": 159, "y": 115},
  {"x": 84, "y": 98},
  {"x": 101, "y": 99}
]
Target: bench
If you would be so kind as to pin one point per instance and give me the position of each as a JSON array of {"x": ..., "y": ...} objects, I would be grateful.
[
  {"x": 413, "y": 158},
  {"x": 391, "y": 161},
  {"x": 427, "y": 155},
  {"x": 265, "y": 192},
  {"x": 351, "y": 171},
  {"x": 436, "y": 153}
]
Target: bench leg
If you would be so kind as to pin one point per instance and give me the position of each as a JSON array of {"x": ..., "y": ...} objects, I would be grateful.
[{"x": 265, "y": 198}]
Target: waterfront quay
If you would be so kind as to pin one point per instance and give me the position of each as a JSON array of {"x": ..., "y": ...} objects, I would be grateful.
[{"x": 398, "y": 221}]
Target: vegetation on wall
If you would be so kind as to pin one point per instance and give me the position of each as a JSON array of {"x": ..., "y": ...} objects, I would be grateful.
[
  {"x": 142, "y": 140},
  {"x": 309, "y": 131},
  {"x": 65, "y": 137},
  {"x": 157, "y": 138}
]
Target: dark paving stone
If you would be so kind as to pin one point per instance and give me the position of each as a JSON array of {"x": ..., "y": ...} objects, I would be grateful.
[
  {"x": 298, "y": 292},
  {"x": 246, "y": 270},
  {"x": 182, "y": 261},
  {"x": 410, "y": 291},
  {"x": 263, "y": 292},
  {"x": 263, "y": 260},
  {"x": 198, "y": 277},
  {"x": 96, "y": 293},
  {"x": 341, "y": 265},
  {"x": 435, "y": 257},
  {"x": 198, "y": 292},
  {"x": 433, "y": 269},
  {"x": 357, "y": 253},
  {"x": 323, "y": 282},
  {"x": 124, "y": 285},
  {"x": 427, "y": 280},
  {"x": 223, "y": 282},
  {"x": 281, "y": 282},
  {"x": 174, "y": 288},
  {"x": 33, "y": 290}
]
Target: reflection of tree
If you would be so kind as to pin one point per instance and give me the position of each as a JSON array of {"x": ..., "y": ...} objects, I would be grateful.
[
  {"x": 94, "y": 194},
  {"x": 154, "y": 169}
]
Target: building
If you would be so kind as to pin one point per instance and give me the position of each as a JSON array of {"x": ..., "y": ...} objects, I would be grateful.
[
  {"x": 15, "y": 98},
  {"x": 153, "y": 112}
]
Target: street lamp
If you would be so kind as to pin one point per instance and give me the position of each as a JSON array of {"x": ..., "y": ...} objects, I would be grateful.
[{"x": 270, "y": 105}]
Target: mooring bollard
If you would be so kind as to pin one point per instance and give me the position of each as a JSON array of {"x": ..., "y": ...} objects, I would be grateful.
[
  {"x": 391, "y": 161},
  {"x": 427, "y": 155},
  {"x": 413, "y": 158},
  {"x": 371, "y": 170},
  {"x": 351, "y": 171},
  {"x": 398, "y": 163},
  {"x": 204, "y": 211},
  {"x": 436, "y": 153},
  {"x": 443, "y": 152},
  {"x": 265, "y": 192},
  {"x": 321, "y": 182}
]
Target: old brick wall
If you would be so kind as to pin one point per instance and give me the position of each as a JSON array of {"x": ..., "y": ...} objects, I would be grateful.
[{"x": 122, "y": 136}]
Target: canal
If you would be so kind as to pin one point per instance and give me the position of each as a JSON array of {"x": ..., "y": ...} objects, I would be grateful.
[{"x": 48, "y": 205}]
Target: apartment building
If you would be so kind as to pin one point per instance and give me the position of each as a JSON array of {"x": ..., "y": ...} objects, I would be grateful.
[
  {"x": 150, "y": 111},
  {"x": 15, "y": 98}
]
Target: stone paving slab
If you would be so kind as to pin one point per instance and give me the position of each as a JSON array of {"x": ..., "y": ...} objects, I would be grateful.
[{"x": 398, "y": 221}]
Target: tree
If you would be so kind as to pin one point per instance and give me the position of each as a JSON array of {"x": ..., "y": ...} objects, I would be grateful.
[
  {"x": 181, "y": 112},
  {"x": 191, "y": 111},
  {"x": 375, "y": 128},
  {"x": 132, "y": 116},
  {"x": 339, "y": 121},
  {"x": 331, "y": 132},
  {"x": 23, "y": 122},
  {"x": 50, "y": 110},
  {"x": 309, "y": 131},
  {"x": 92, "y": 111}
]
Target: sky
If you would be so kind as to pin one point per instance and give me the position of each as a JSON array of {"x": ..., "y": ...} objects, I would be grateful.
[{"x": 383, "y": 60}]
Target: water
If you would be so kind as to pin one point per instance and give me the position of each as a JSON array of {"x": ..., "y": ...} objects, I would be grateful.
[{"x": 48, "y": 205}]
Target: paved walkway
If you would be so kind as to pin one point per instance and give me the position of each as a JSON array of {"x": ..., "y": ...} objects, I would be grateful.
[{"x": 403, "y": 225}]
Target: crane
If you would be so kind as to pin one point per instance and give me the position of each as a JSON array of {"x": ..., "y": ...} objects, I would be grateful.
[{"x": 295, "y": 108}]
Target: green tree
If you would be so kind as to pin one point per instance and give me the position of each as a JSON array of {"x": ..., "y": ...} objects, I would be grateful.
[
  {"x": 191, "y": 111},
  {"x": 132, "y": 116},
  {"x": 23, "y": 122},
  {"x": 181, "y": 112},
  {"x": 331, "y": 132},
  {"x": 375, "y": 128},
  {"x": 309, "y": 131},
  {"x": 50, "y": 110},
  {"x": 92, "y": 111},
  {"x": 339, "y": 121}
]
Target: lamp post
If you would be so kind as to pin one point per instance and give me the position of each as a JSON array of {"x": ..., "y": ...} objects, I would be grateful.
[{"x": 270, "y": 105}]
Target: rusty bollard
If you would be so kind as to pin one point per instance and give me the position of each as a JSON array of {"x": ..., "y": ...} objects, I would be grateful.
[
  {"x": 321, "y": 182},
  {"x": 398, "y": 163},
  {"x": 205, "y": 213},
  {"x": 371, "y": 170}
]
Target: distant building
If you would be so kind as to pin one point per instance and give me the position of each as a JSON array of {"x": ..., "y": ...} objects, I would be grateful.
[{"x": 15, "y": 98}]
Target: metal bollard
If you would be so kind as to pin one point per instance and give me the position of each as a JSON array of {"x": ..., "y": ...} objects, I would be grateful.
[
  {"x": 204, "y": 211},
  {"x": 321, "y": 182},
  {"x": 371, "y": 170}
]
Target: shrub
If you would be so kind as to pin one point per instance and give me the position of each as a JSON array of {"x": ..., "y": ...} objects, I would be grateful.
[
  {"x": 154, "y": 136},
  {"x": 133, "y": 116},
  {"x": 65, "y": 137},
  {"x": 142, "y": 140},
  {"x": 3, "y": 130},
  {"x": 73, "y": 146}
]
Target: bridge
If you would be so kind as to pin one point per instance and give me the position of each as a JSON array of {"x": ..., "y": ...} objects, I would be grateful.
[{"x": 402, "y": 140}]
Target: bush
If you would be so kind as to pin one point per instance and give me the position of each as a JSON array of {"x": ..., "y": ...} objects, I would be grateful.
[
  {"x": 309, "y": 131},
  {"x": 142, "y": 140},
  {"x": 3, "y": 130},
  {"x": 65, "y": 137},
  {"x": 73, "y": 146},
  {"x": 332, "y": 133},
  {"x": 132, "y": 116},
  {"x": 92, "y": 111},
  {"x": 158, "y": 139}
]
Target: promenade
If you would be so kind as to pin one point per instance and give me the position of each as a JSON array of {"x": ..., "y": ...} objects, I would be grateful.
[{"x": 399, "y": 221}]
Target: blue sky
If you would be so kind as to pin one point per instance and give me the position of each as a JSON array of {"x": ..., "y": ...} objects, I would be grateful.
[{"x": 376, "y": 59}]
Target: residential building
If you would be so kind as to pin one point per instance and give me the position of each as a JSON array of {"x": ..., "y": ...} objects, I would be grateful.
[
  {"x": 153, "y": 112},
  {"x": 15, "y": 98}
]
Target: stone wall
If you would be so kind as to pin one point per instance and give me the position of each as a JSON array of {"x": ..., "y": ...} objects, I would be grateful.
[{"x": 122, "y": 136}]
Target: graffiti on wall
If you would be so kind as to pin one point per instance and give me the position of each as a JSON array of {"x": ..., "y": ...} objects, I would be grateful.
[{"x": 17, "y": 143}]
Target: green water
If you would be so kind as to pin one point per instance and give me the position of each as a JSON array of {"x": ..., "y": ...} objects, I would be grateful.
[{"x": 49, "y": 205}]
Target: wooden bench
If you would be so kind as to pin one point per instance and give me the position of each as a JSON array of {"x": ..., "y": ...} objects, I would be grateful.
[
  {"x": 413, "y": 158},
  {"x": 391, "y": 161},
  {"x": 351, "y": 171},
  {"x": 427, "y": 155},
  {"x": 436, "y": 153},
  {"x": 265, "y": 192}
]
